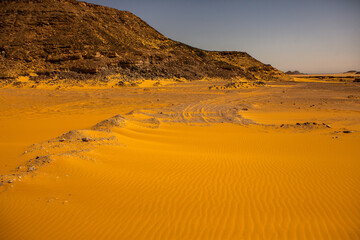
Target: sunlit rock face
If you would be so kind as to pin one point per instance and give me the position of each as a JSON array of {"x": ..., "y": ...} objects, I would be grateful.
[{"x": 78, "y": 40}]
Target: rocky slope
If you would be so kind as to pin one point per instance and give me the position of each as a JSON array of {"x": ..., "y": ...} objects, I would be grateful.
[
  {"x": 77, "y": 40},
  {"x": 296, "y": 72}
]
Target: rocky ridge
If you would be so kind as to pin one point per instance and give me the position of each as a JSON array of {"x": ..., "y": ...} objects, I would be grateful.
[{"x": 68, "y": 39}]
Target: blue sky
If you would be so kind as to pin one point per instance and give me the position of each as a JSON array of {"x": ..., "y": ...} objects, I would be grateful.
[{"x": 318, "y": 36}]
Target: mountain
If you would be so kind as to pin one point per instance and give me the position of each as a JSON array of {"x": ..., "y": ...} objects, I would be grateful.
[
  {"x": 78, "y": 40},
  {"x": 295, "y": 73}
]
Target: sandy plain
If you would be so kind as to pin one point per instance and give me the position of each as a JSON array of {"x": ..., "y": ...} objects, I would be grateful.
[{"x": 181, "y": 161}]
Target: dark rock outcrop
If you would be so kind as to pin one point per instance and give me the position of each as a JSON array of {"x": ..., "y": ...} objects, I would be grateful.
[
  {"x": 78, "y": 40},
  {"x": 294, "y": 73}
]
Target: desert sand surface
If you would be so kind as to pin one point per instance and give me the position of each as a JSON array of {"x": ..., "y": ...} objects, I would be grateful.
[
  {"x": 181, "y": 161},
  {"x": 329, "y": 77}
]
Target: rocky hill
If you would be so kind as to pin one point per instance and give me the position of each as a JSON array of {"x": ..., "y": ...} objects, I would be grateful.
[
  {"x": 78, "y": 40},
  {"x": 296, "y": 72}
]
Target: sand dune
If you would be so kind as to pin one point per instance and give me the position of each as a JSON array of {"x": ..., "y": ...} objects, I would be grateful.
[{"x": 215, "y": 165}]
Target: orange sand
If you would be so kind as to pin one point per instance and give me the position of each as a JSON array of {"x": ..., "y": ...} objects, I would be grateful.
[{"x": 181, "y": 180}]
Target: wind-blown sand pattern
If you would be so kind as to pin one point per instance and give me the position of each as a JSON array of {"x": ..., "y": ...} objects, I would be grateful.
[{"x": 182, "y": 162}]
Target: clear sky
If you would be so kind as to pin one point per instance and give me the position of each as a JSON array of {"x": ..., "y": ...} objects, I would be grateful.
[{"x": 312, "y": 36}]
